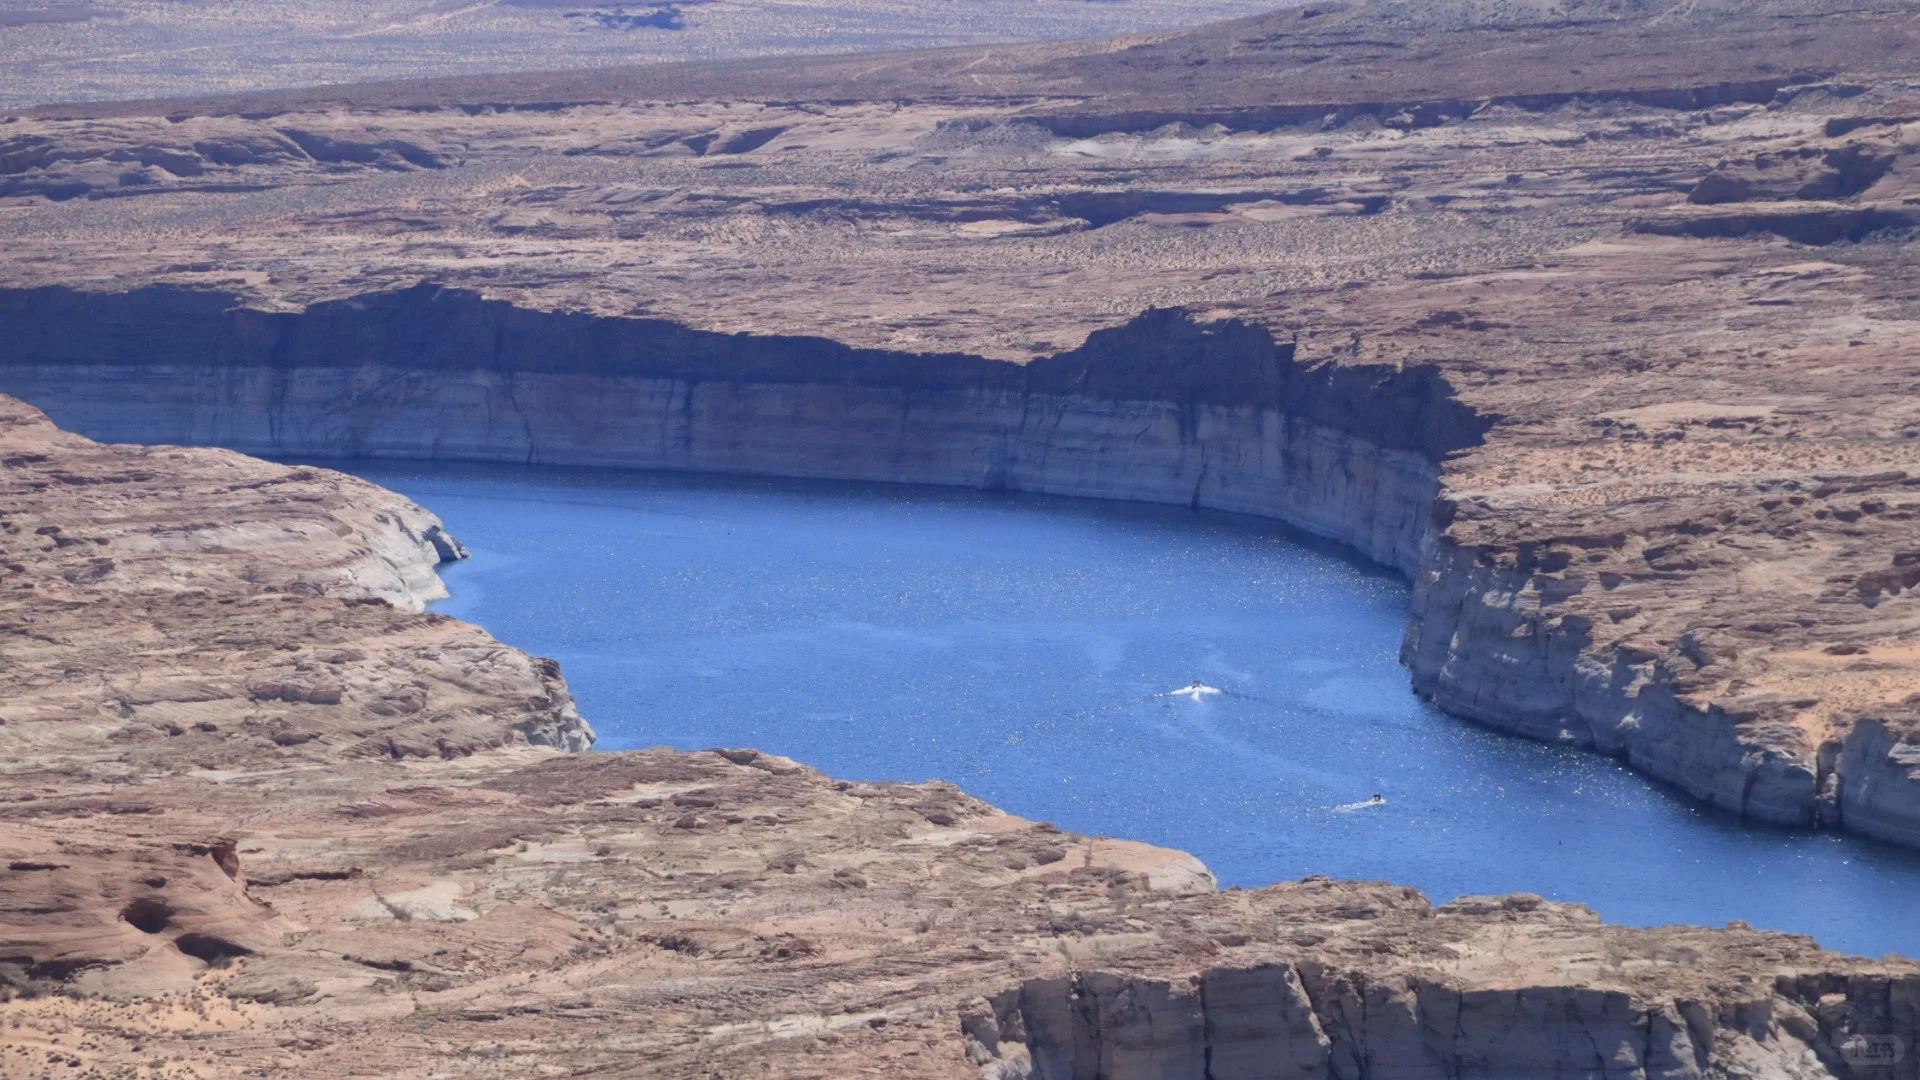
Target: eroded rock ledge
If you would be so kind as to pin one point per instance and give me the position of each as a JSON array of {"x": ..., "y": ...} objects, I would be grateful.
[
  {"x": 375, "y": 860},
  {"x": 236, "y": 604},
  {"x": 1668, "y": 625}
]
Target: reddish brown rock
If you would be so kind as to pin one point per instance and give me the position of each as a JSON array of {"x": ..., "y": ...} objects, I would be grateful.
[{"x": 1604, "y": 337}]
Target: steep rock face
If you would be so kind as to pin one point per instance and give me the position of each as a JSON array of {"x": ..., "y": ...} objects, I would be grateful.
[
  {"x": 1869, "y": 786},
  {"x": 1163, "y": 409},
  {"x": 1315, "y": 1021},
  {"x": 1481, "y": 644}
]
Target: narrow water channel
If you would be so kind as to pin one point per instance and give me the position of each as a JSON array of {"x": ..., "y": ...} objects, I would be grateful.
[{"x": 1032, "y": 650}]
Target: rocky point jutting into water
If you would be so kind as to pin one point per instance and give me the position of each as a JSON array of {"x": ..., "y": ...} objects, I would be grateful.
[{"x": 1598, "y": 322}]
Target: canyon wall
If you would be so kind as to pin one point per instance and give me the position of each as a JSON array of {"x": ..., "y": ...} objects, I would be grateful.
[
  {"x": 1316, "y": 1021},
  {"x": 1164, "y": 409},
  {"x": 1484, "y": 643}
]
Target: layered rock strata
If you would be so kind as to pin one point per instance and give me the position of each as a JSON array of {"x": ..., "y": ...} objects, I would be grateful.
[
  {"x": 380, "y": 861},
  {"x": 214, "y": 598},
  {"x": 1667, "y": 246},
  {"x": 1164, "y": 408},
  {"x": 1303, "y": 1018}
]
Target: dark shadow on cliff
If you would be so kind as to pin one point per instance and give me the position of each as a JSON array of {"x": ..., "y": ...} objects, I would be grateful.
[{"x": 1162, "y": 355}]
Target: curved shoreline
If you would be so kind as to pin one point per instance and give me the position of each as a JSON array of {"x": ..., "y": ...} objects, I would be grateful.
[
  {"x": 1163, "y": 409},
  {"x": 366, "y": 767}
]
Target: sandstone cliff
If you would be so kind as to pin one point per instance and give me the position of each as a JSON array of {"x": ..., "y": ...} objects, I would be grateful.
[
  {"x": 1667, "y": 246},
  {"x": 221, "y": 603},
  {"x": 1163, "y": 409}
]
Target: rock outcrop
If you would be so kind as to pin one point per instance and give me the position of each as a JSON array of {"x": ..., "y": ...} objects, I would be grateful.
[
  {"x": 222, "y": 605},
  {"x": 1309, "y": 1020}
]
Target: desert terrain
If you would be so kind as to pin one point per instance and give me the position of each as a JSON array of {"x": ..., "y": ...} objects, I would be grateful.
[
  {"x": 1595, "y": 321},
  {"x": 79, "y": 50}
]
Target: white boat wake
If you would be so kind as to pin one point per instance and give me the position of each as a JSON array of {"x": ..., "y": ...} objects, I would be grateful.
[
  {"x": 1194, "y": 690},
  {"x": 1348, "y": 808}
]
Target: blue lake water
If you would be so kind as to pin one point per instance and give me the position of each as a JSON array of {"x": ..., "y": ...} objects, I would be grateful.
[{"x": 1025, "y": 648}]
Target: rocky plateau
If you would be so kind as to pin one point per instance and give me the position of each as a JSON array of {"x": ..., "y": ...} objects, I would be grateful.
[{"x": 1596, "y": 321}]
